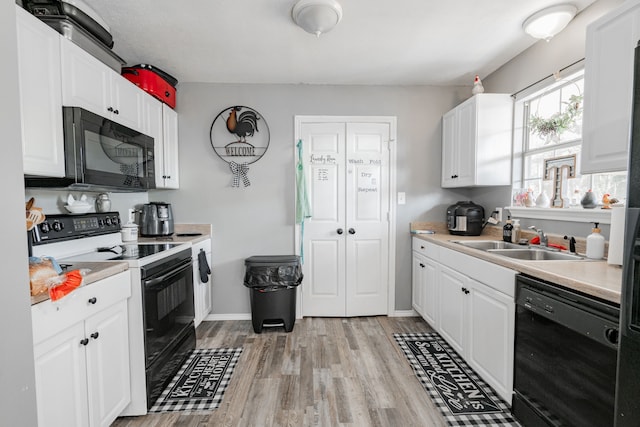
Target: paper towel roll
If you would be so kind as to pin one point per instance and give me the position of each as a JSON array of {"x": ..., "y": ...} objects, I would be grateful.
[{"x": 616, "y": 236}]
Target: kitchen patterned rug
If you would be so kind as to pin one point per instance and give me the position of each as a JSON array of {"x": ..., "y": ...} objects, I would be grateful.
[
  {"x": 462, "y": 397},
  {"x": 200, "y": 383}
]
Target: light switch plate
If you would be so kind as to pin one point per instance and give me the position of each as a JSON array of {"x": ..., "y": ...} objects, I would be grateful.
[{"x": 402, "y": 198}]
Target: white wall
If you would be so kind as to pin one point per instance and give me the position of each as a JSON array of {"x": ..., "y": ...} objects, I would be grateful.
[
  {"x": 17, "y": 383},
  {"x": 260, "y": 219}
]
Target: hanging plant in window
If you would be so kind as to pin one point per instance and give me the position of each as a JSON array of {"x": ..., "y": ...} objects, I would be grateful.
[{"x": 551, "y": 128}]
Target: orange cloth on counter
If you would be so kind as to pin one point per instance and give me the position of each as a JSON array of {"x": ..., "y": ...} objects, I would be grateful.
[
  {"x": 73, "y": 279},
  {"x": 536, "y": 241}
]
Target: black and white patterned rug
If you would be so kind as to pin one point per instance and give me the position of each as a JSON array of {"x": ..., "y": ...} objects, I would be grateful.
[
  {"x": 200, "y": 383},
  {"x": 462, "y": 397}
]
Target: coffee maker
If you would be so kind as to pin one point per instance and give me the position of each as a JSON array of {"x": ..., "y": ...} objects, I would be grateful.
[{"x": 156, "y": 219}]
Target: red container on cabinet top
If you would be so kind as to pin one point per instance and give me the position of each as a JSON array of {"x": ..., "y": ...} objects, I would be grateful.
[{"x": 153, "y": 81}]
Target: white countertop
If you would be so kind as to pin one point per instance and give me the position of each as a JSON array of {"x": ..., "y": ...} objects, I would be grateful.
[
  {"x": 595, "y": 278},
  {"x": 98, "y": 271}
]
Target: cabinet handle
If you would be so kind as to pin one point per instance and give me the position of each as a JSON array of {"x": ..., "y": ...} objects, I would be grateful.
[
  {"x": 421, "y": 247},
  {"x": 95, "y": 335},
  {"x": 465, "y": 290},
  {"x": 92, "y": 300},
  {"x": 454, "y": 176},
  {"x": 352, "y": 231},
  {"x": 339, "y": 231},
  {"x": 110, "y": 109},
  {"x": 84, "y": 341},
  {"x": 422, "y": 265},
  {"x": 116, "y": 112}
]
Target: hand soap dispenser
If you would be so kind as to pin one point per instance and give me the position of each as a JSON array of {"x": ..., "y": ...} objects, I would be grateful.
[
  {"x": 515, "y": 233},
  {"x": 595, "y": 244}
]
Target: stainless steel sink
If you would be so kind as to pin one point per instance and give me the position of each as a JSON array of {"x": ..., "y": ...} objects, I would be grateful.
[
  {"x": 531, "y": 254},
  {"x": 486, "y": 245}
]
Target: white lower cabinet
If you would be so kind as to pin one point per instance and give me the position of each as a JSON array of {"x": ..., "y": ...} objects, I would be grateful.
[
  {"x": 473, "y": 309},
  {"x": 201, "y": 290},
  {"x": 490, "y": 322},
  {"x": 424, "y": 288},
  {"x": 81, "y": 353},
  {"x": 452, "y": 304}
]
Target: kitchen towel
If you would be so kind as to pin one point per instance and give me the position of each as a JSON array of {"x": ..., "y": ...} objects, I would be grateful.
[
  {"x": 462, "y": 397},
  {"x": 303, "y": 207},
  {"x": 203, "y": 266},
  {"x": 616, "y": 236}
]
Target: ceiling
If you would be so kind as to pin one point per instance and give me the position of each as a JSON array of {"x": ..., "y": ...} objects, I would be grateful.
[{"x": 378, "y": 42}]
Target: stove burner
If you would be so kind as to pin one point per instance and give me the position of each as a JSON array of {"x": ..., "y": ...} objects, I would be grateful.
[{"x": 141, "y": 251}]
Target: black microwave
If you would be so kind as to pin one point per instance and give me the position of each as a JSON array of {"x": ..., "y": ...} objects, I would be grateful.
[{"x": 102, "y": 154}]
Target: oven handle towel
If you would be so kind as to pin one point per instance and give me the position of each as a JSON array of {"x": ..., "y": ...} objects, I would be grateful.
[
  {"x": 270, "y": 273},
  {"x": 203, "y": 266}
]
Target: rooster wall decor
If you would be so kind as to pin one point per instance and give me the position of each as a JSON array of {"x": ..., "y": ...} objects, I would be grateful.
[{"x": 240, "y": 136}]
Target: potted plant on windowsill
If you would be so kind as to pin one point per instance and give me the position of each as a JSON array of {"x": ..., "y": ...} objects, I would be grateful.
[{"x": 551, "y": 128}]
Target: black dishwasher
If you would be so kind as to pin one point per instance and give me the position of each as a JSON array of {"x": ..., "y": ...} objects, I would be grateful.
[{"x": 565, "y": 356}]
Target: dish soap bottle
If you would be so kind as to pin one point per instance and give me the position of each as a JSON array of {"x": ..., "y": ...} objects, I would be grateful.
[
  {"x": 515, "y": 233},
  {"x": 507, "y": 230},
  {"x": 595, "y": 244}
]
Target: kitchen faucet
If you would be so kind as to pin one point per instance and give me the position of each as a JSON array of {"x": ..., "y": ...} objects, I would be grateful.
[
  {"x": 543, "y": 237},
  {"x": 572, "y": 243}
]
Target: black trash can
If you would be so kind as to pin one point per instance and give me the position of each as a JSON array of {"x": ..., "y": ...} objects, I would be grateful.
[{"x": 272, "y": 281}]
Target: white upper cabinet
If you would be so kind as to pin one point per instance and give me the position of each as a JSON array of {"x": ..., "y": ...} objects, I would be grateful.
[
  {"x": 40, "y": 96},
  {"x": 90, "y": 84},
  {"x": 161, "y": 123},
  {"x": 476, "y": 142},
  {"x": 608, "y": 89},
  {"x": 170, "y": 148}
]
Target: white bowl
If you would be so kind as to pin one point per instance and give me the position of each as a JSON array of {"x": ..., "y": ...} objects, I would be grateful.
[{"x": 78, "y": 208}]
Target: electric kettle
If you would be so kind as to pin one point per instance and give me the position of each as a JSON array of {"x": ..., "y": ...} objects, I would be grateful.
[{"x": 156, "y": 219}]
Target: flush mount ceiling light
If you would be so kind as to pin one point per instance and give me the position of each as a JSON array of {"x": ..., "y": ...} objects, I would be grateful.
[
  {"x": 548, "y": 22},
  {"x": 317, "y": 16}
]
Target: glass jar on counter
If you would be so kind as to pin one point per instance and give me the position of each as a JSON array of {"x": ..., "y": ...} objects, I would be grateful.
[{"x": 103, "y": 203}]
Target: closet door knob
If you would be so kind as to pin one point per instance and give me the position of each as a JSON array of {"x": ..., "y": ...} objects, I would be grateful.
[
  {"x": 352, "y": 231},
  {"x": 339, "y": 231}
]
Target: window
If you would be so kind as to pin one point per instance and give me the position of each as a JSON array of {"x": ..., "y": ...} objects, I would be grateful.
[{"x": 552, "y": 129}]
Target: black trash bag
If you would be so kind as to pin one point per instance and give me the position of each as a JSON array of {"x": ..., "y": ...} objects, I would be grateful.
[{"x": 272, "y": 273}]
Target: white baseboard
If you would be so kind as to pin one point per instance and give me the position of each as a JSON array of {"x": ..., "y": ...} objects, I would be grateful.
[
  {"x": 404, "y": 313},
  {"x": 228, "y": 316},
  {"x": 247, "y": 316}
]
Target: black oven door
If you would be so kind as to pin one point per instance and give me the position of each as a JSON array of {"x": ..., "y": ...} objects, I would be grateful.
[
  {"x": 168, "y": 307},
  {"x": 101, "y": 152}
]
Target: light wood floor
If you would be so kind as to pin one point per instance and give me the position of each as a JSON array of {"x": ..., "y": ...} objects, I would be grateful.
[{"x": 327, "y": 372}]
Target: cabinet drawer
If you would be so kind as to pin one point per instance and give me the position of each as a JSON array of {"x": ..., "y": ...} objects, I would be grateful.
[
  {"x": 425, "y": 248},
  {"x": 495, "y": 276},
  {"x": 49, "y": 318}
]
